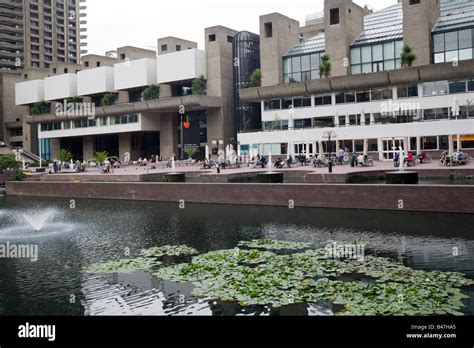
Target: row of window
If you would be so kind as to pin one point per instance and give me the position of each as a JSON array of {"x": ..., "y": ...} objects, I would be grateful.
[
  {"x": 374, "y": 58},
  {"x": 406, "y": 116},
  {"x": 453, "y": 46},
  {"x": 302, "y": 68},
  {"x": 408, "y": 91},
  {"x": 85, "y": 123}
]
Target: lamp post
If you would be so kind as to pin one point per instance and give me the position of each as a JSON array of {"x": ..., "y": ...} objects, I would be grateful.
[
  {"x": 181, "y": 128},
  {"x": 329, "y": 135}
]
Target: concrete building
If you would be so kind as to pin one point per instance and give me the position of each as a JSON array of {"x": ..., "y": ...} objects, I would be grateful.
[
  {"x": 39, "y": 33},
  {"x": 370, "y": 102},
  {"x": 114, "y": 115}
]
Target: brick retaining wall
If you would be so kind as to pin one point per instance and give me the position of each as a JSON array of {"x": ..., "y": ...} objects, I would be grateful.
[{"x": 454, "y": 199}]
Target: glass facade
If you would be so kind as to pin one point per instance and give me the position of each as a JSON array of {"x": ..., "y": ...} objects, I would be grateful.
[
  {"x": 453, "y": 46},
  {"x": 246, "y": 54},
  {"x": 374, "y": 58},
  {"x": 301, "y": 68}
]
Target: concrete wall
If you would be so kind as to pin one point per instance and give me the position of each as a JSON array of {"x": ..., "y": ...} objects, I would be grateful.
[
  {"x": 172, "y": 42},
  {"x": 285, "y": 35},
  {"x": 220, "y": 122},
  {"x": 339, "y": 37},
  {"x": 88, "y": 148},
  {"x": 169, "y": 135},
  {"x": 91, "y": 61},
  {"x": 455, "y": 199},
  {"x": 418, "y": 22},
  {"x": 133, "y": 53}
]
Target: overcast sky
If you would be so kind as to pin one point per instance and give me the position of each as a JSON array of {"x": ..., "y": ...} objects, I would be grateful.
[{"x": 116, "y": 23}]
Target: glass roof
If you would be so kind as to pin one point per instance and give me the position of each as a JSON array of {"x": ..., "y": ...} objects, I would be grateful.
[
  {"x": 384, "y": 25},
  {"x": 314, "y": 44},
  {"x": 455, "y": 14},
  {"x": 387, "y": 25}
]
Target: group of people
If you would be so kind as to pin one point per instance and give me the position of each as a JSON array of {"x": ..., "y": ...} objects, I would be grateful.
[
  {"x": 457, "y": 158},
  {"x": 110, "y": 165}
]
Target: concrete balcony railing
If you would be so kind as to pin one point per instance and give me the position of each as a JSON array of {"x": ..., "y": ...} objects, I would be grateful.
[{"x": 164, "y": 105}]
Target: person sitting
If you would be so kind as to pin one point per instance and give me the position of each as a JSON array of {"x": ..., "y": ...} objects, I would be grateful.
[
  {"x": 361, "y": 160},
  {"x": 396, "y": 160},
  {"x": 410, "y": 161},
  {"x": 77, "y": 167},
  {"x": 279, "y": 164},
  {"x": 289, "y": 162},
  {"x": 263, "y": 161}
]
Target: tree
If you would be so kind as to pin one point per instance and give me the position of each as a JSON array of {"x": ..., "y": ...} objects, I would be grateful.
[
  {"x": 407, "y": 56},
  {"x": 40, "y": 108},
  {"x": 190, "y": 151},
  {"x": 108, "y": 99},
  {"x": 64, "y": 155},
  {"x": 325, "y": 66},
  {"x": 151, "y": 92},
  {"x": 9, "y": 162},
  {"x": 256, "y": 78},
  {"x": 100, "y": 157},
  {"x": 199, "y": 85}
]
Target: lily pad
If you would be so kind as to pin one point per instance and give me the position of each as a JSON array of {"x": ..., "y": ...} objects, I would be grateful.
[
  {"x": 123, "y": 266},
  {"x": 270, "y": 244},
  {"x": 169, "y": 250}
]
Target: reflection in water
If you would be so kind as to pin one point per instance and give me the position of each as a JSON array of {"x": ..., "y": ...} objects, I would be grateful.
[{"x": 97, "y": 231}]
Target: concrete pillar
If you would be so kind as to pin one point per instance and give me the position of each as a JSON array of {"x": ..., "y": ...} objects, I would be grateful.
[
  {"x": 87, "y": 147},
  {"x": 418, "y": 145},
  {"x": 169, "y": 135},
  {"x": 380, "y": 149},
  {"x": 366, "y": 146},
  {"x": 55, "y": 148},
  {"x": 125, "y": 146},
  {"x": 418, "y": 22},
  {"x": 459, "y": 142},
  {"x": 340, "y": 35},
  {"x": 372, "y": 119},
  {"x": 307, "y": 148}
]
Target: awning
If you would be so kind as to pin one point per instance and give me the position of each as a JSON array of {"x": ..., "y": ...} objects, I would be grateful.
[{"x": 467, "y": 137}]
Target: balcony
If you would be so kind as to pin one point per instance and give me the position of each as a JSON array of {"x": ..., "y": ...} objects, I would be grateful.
[
  {"x": 60, "y": 87},
  {"x": 181, "y": 66},
  {"x": 135, "y": 73},
  {"x": 164, "y": 105},
  {"x": 29, "y": 92},
  {"x": 95, "y": 81}
]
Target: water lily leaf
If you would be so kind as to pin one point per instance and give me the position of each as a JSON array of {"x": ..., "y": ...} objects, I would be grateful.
[
  {"x": 123, "y": 266},
  {"x": 169, "y": 250}
]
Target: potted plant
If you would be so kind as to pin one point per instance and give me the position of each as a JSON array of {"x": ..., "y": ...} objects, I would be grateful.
[
  {"x": 151, "y": 92},
  {"x": 325, "y": 66},
  {"x": 256, "y": 78},
  {"x": 199, "y": 85},
  {"x": 407, "y": 56},
  {"x": 108, "y": 99}
]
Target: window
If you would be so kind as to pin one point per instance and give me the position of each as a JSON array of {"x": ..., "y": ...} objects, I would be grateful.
[
  {"x": 98, "y": 64},
  {"x": 274, "y": 104},
  {"x": 305, "y": 123},
  {"x": 230, "y": 39},
  {"x": 322, "y": 100},
  {"x": 363, "y": 96},
  {"x": 212, "y": 37},
  {"x": 430, "y": 143},
  {"x": 302, "y": 102},
  {"x": 334, "y": 16},
  {"x": 381, "y": 93},
  {"x": 470, "y": 85},
  {"x": 66, "y": 125},
  {"x": 122, "y": 56},
  {"x": 164, "y": 48},
  {"x": 452, "y": 46},
  {"x": 457, "y": 86},
  {"x": 414, "y": 2},
  {"x": 348, "y": 97},
  {"x": 407, "y": 91},
  {"x": 268, "y": 27},
  {"x": 451, "y": 41},
  {"x": 86, "y": 64},
  {"x": 435, "y": 88},
  {"x": 375, "y": 58}
]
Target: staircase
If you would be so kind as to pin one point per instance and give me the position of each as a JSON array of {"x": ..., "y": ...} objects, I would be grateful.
[{"x": 26, "y": 155}]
